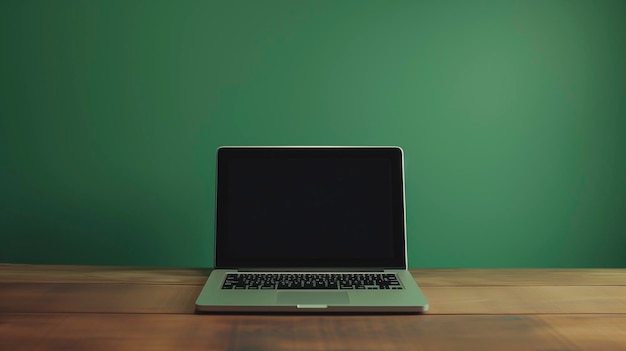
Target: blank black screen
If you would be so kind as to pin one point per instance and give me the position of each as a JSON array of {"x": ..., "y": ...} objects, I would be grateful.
[{"x": 308, "y": 208}]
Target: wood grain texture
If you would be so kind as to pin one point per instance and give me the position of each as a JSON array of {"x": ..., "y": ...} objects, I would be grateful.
[
  {"x": 526, "y": 299},
  {"x": 37, "y": 332},
  {"x": 94, "y": 298},
  {"x": 136, "y": 290},
  {"x": 590, "y": 332},
  {"x": 126, "y": 308},
  {"x": 519, "y": 277},
  {"x": 153, "y": 298},
  {"x": 424, "y": 277},
  {"x": 15, "y": 273}
]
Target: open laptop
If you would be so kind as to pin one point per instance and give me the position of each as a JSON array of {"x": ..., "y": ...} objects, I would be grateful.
[{"x": 310, "y": 229}]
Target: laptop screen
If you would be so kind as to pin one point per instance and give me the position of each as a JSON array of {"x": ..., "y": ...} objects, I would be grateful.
[{"x": 290, "y": 207}]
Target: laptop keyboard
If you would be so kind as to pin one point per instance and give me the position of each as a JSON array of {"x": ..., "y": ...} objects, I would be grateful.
[{"x": 314, "y": 281}]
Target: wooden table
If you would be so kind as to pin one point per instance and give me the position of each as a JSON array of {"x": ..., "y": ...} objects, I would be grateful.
[{"x": 121, "y": 308}]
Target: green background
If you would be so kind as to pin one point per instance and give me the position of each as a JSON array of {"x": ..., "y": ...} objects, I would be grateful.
[{"x": 512, "y": 115}]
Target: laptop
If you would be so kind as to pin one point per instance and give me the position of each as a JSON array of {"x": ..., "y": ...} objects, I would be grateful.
[{"x": 310, "y": 229}]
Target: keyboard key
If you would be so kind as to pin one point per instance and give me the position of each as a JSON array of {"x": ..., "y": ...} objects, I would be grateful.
[{"x": 312, "y": 281}]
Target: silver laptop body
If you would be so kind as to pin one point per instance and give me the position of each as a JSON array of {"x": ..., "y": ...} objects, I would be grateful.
[{"x": 310, "y": 229}]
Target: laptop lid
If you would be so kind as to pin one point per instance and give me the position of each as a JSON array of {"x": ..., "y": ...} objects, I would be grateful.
[{"x": 310, "y": 208}]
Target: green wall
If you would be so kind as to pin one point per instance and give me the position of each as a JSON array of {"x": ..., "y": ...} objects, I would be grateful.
[{"x": 512, "y": 115}]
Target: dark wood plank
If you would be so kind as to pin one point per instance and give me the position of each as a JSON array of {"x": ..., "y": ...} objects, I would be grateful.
[
  {"x": 526, "y": 299},
  {"x": 43, "y": 332},
  {"x": 590, "y": 332},
  {"x": 152, "y": 298},
  {"x": 197, "y": 276},
  {"x": 93, "y": 298},
  {"x": 15, "y": 273},
  {"x": 518, "y": 277},
  {"x": 102, "y": 308}
]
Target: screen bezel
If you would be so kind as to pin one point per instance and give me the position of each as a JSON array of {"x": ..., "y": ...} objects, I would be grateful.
[{"x": 222, "y": 259}]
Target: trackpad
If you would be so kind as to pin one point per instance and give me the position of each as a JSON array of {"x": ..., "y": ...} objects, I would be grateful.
[{"x": 312, "y": 297}]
